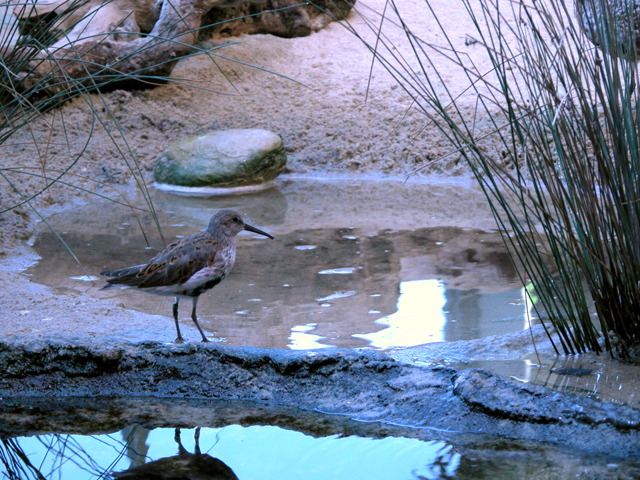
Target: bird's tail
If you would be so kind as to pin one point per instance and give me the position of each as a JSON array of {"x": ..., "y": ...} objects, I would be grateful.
[{"x": 123, "y": 278}]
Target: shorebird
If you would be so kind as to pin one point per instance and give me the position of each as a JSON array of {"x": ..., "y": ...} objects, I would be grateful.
[{"x": 188, "y": 267}]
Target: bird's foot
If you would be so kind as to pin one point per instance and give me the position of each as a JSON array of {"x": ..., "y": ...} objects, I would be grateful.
[
  {"x": 205, "y": 340},
  {"x": 179, "y": 340}
]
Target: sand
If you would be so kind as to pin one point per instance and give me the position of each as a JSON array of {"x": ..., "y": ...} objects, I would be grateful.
[{"x": 335, "y": 113}]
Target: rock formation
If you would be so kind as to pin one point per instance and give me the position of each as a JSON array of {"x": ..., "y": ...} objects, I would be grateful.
[{"x": 141, "y": 39}]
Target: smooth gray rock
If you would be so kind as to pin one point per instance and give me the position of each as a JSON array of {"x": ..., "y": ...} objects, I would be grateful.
[{"x": 222, "y": 159}]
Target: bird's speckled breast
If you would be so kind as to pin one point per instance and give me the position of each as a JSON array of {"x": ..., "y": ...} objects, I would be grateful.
[{"x": 227, "y": 255}]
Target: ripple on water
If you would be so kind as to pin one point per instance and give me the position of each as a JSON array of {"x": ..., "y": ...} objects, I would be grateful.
[
  {"x": 337, "y": 271},
  {"x": 305, "y": 247},
  {"x": 335, "y": 296}
]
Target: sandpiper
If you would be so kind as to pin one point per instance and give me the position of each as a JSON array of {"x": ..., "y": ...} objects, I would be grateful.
[{"x": 188, "y": 267}]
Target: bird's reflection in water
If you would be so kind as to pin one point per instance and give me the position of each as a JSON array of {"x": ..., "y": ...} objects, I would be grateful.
[{"x": 184, "y": 466}]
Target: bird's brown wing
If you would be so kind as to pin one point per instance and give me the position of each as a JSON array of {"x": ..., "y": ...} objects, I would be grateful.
[
  {"x": 179, "y": 261},
  {"x": 174, "y": 265}
]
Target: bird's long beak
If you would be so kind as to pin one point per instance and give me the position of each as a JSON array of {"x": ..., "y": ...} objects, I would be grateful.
[{"x": 257, "y": 230}]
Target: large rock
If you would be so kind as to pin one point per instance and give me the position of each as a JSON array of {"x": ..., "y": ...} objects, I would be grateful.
[{"x": 223, "y": 159}]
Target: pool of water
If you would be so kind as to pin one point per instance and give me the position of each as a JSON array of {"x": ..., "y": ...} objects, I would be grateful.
[
  {"x": 79, "y": 441},
  {"x": 354, "y": 264},
  {"x": 254, "y": 452}
]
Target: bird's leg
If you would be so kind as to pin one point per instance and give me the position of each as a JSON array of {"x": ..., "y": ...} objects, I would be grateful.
[
  {"x": 175, "y": 318},
  {"x": 197, "y": 439},
  {"x": 176, "y": 438},
  {"x": 195, "y": 318}
]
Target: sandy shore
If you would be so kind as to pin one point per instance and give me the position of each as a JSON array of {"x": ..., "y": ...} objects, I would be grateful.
[{"x": 335, "y": 111}]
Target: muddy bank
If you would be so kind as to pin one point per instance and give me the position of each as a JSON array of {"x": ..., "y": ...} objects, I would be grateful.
[{"x": 365, "y": 386}]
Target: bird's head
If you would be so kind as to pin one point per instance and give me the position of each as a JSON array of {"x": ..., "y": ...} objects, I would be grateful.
[{"x": 231, "y": 223}]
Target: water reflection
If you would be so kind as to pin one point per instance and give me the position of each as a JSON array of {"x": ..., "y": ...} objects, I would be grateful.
[
  {"x": 185, "y": 465},
  {"x": 135, "y": 438},
  {"x": 255, "y": 452},
  {"x": 469, "y": 315},
  {"x": 301, "y": 339},
  {"x": 419, "y": 317}
]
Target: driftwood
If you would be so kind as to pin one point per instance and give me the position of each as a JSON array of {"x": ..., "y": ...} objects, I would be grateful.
[{"x": 105, "y": 40}]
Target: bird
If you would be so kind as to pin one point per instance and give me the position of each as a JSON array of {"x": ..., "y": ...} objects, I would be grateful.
[
  {"x": 183, "y": 466},
  {"x": 189, "y": 267}
]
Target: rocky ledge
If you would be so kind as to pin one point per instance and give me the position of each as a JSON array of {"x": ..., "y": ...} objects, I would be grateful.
[{"x": 366, "y": 386}]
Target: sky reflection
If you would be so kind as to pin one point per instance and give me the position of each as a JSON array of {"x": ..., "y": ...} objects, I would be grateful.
[
  {"x": 255, "y": 452},
  {"x": 419, "y": 317}
]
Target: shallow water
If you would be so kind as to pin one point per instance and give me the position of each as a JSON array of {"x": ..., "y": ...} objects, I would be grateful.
[
  {"x": 588, "y": 376},
  {"x": 344, "y": 271},
  {"x": 254, "y": 452}
]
